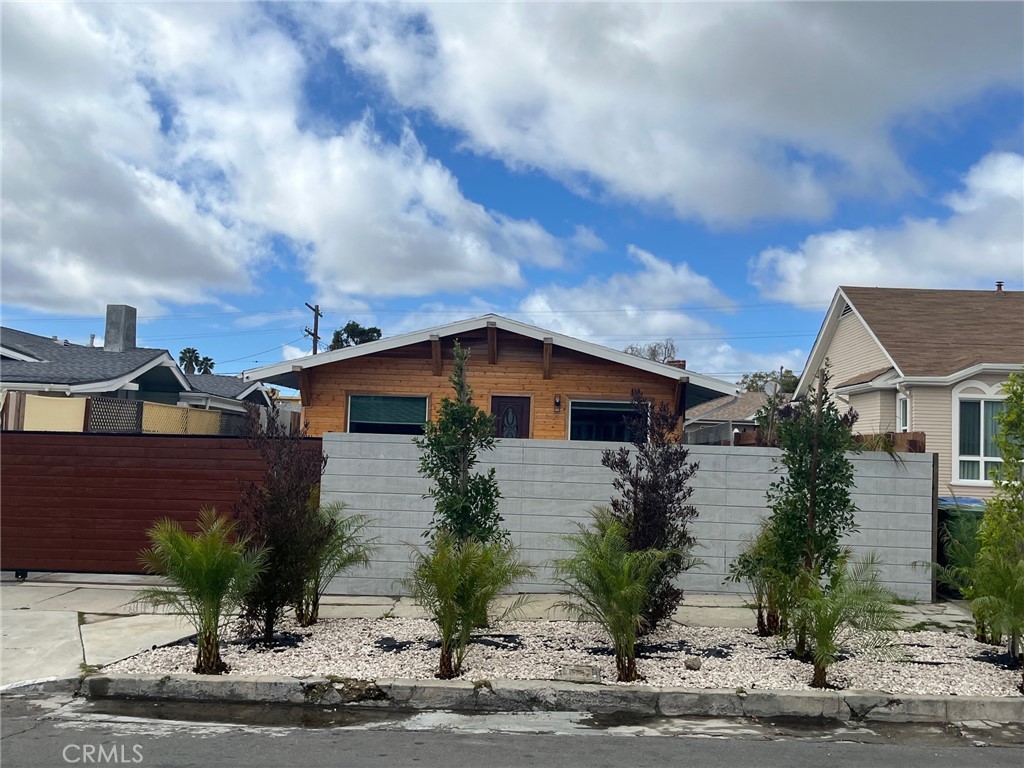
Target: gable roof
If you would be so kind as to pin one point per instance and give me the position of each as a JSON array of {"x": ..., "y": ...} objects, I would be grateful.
[
  {"x": 286, "y": 373},
  {"x": 41, "y": 361},
  {"x": 927, "y": 333},
  {"x": 233, "y": 387},
  {"x": 741, "y": 407}
]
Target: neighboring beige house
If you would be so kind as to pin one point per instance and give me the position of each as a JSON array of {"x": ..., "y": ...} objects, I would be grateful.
[{"x": 930, "y": 361}]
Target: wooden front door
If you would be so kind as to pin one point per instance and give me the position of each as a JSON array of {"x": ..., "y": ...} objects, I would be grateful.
[{"x": 511, "y": 416}]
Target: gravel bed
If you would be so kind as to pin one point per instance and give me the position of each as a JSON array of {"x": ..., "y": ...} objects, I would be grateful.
[{"x": 374, "y": 649}]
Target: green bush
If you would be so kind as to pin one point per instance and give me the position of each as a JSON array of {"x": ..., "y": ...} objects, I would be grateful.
[
  {"x": 344, "y": 548},
  {"x": 210, "y": 573},
  {"x": 853, "y": 603},
  {"x": 998, "y": 574},
  {"x": 608, "y": 583},
  {"x": 771, "y": 588},
  {"x": 456, "y": 582}
]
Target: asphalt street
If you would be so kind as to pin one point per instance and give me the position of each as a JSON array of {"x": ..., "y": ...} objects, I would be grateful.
[{"x": 40, "y": 732}]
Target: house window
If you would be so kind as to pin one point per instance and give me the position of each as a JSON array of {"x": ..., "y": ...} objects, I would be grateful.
[
  {"x": 902, "y": 413},
  {"x": 592, "y": 420},
  {"x": 978, "y": 454},
  {"x": 387, "y": 415}
]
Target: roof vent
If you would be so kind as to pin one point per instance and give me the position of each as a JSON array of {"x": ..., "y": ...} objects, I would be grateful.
[
  {"x": 846, "y": 310},
  {"x": 120, "y": 331},
  {"x": 999, "y": 286},
  {"x": 67, "y": 343}
]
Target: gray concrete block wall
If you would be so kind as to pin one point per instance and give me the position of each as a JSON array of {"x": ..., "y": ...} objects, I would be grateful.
[{"x": 549, "y": 486}]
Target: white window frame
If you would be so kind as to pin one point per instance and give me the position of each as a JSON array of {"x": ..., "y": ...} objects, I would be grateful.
[
  {"x": 902, "y": 413},
  {"x": 989, "y": 393}
]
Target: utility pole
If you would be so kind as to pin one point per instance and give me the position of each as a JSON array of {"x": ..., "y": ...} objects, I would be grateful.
[{"x": 315, "y": 333}]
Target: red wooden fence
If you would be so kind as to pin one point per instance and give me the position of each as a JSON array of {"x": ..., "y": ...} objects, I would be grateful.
[{"x": 83, "y": 502}]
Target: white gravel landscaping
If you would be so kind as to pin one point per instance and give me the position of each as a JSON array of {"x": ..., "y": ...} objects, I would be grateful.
[{"x": 375, "y": 649}]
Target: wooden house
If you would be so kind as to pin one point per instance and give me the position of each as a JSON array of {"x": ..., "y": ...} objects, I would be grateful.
[{"x": 539, "y": 384}]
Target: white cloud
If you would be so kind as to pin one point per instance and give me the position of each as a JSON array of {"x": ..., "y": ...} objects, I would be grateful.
[
  {"x": 151, "y": 151},
  {"x": 89, "y": 216},
  {"x": 981, "y": 241},
  {"x": 289, "y": 352},
  {"x": 725, "y": 112}
]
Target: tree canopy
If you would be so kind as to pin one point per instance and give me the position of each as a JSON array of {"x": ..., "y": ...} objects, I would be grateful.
[
  {"x": 659, "y": 351},
  {"x": 352, "y": 334},
  {"x": 758, "y": 380}
]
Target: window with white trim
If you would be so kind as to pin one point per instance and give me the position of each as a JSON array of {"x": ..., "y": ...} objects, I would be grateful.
[
  {"x": 902, "y": 413},
  {"x": 977, "y": 453},
  {"x": 387, "y": 414}
]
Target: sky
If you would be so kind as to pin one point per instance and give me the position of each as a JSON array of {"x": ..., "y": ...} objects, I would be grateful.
[{"x": 622, "y": 173}]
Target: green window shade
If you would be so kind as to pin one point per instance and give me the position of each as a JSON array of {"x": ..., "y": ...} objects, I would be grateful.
[
  {"x": 377, "y": 409},
  {"x": 970, "y": 428},
  {"x": 623, "y": 408},
  {"x": 992, "y": 409}
]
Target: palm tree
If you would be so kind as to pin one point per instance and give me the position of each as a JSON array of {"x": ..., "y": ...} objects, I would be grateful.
[
  {"x": 205, "y": 365},
  {"x": 188, "y": 359},
  {"x": 210, "y": 573},
  {"x": 456, "y": 582},
  {"x": 344, "y": 549},
  {"x": 853, "y": 603},
  {"x": 608, "y": 584}
]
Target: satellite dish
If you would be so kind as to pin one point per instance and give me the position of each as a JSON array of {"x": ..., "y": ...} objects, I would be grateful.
[{"x": 771, "y": 388}]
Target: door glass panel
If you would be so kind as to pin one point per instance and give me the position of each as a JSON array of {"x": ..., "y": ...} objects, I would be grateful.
[{"x": 510, "y": 422}]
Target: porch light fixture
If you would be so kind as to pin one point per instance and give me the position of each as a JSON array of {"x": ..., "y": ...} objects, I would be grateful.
[{"x": 558, "y": 402}]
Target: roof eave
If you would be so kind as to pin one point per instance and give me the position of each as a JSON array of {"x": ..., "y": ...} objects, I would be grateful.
[{"x": 286, "y": 373}]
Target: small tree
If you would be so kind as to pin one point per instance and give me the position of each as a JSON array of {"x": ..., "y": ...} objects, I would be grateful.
[
  {"x": 653, "y": 480},
  {"x": 853, "y": 603},
  {"x": 998, "y": 572},
  {"x": 608, "y": 583},
  {"x": 210, "y": 573},
  {"x": 276, "y": 513},
  {"x": 465, "y": 504},
  {"x": 456, "y": 582},
  {"x": 353, "y": 333},
  {"x": 205, "y": 365},
  {"x": 344, "y": 548},
  {"x": 811, "y": 505}
]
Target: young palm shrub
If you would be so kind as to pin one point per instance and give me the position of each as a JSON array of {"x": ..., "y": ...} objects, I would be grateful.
[
  {"x": 456, "y": 581},
  {"x": 1000, "y": 580},
  {"x": 853, "y": 603},
  {"x": 757, "y": 566},
  {"x": 210, "y": 573},
  {"x": 344, "y": 548},
  {"x": 608, "y": 584}
]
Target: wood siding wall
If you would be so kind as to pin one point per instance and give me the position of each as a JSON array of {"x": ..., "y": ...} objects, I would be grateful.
[
  {"x": 876, "y": 411},
  {"x": 853, "y": 351},
  {"x": 81, "y": 502},
  {"x": 931, "y": 412},
  {"x": 518, "y": 371}
]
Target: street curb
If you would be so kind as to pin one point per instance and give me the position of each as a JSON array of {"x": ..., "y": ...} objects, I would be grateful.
[
  {"x": 546, "y": 695},
  {"x": 68, "y": 685}
]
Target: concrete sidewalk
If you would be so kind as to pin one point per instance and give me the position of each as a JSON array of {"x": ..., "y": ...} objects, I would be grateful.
[{"x": 59, "y": 625}]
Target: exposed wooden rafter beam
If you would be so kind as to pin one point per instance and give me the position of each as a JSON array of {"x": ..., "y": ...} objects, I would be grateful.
[
  {"x": 435, "y": 353},
  {"x": 547, "y": 357},
  {"x": 492, "y": 342}
]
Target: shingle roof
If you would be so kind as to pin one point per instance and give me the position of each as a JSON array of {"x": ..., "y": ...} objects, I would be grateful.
[
  {"x": 739, "y": 407},
  {"x": 864, "y": 378},
  {"x": 215, "y": 384},
  {"x": 940, "y": 332},
  {"x": 71, "y": 364}
]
